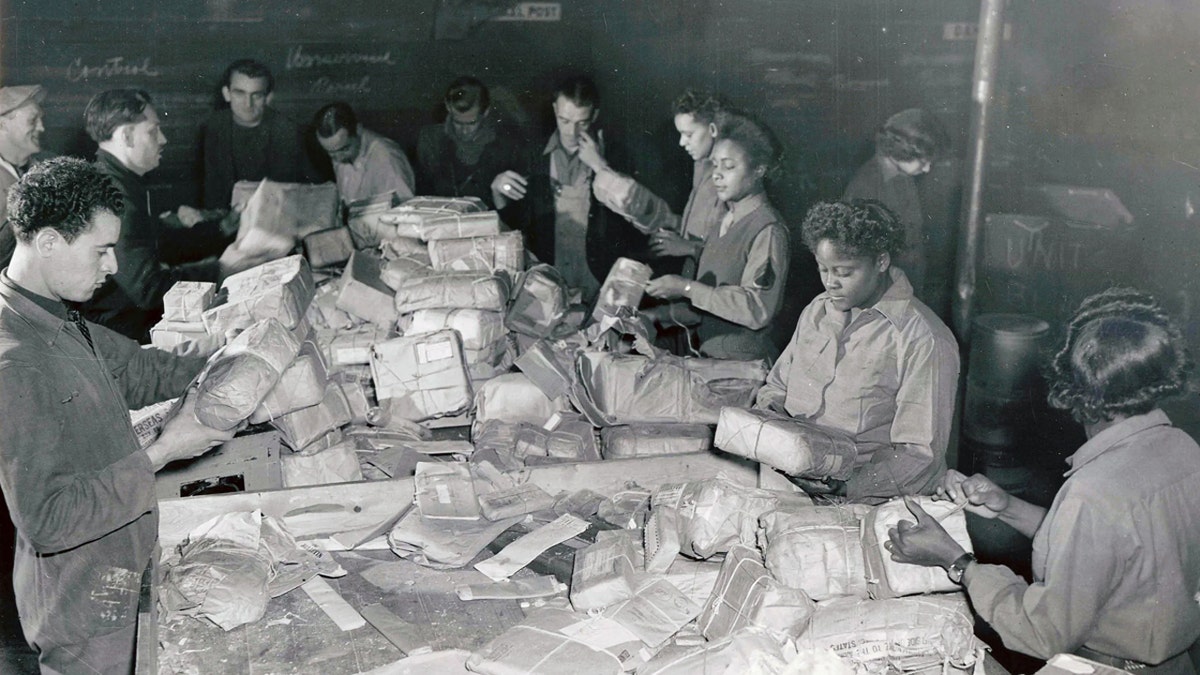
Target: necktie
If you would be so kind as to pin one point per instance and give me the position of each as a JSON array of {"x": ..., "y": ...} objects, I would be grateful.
[{"x": 77, "y": 319}]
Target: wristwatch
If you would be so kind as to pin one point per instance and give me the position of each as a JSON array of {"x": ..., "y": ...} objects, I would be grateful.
[{"x": 959, "y": 567}]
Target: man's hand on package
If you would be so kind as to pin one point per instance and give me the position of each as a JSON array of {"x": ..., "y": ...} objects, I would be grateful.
[{"x": 183, "y": 436}]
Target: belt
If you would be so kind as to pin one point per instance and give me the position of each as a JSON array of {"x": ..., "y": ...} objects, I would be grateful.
[{"x": 1114, "y": 661}]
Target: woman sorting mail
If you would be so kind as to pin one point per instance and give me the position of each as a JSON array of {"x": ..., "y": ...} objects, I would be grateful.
[
  {"x": 1116, "y": 558},
  {"x": 742, "y": 270}
]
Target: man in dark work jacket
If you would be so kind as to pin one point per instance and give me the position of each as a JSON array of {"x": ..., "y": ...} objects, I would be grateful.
[
  {"x": 125, "y": 124},
  {"x": 78, "y": 486},
  {"x": 249, "y": 140}
]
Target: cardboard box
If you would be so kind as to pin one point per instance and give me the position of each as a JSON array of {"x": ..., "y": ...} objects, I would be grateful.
[
  {"x": 424, "y": 376},
  {"x": 328, "y": 247},
  {"x": 363, "y": 293},
  {"x": 505, "y": 251},
  {"x": 281, "y": 290},
  {"x": 247, "y": 463},
  {"x": 186, "y": 301}
]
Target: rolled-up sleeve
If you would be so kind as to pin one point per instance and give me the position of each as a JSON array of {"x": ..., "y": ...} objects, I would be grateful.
[{"x": 757, "y": 298}]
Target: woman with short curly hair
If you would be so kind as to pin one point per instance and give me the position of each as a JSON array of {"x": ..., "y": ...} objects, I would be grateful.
[{"x": 1116, "y": 558}]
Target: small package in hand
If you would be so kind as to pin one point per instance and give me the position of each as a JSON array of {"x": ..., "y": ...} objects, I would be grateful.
[{"x": 187, "y": 300}]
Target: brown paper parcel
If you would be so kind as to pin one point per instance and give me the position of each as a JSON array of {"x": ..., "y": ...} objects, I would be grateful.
[
  {"x": 504, "y": 251},
  {"x": 452, "y": 290},
  {"x": 187, "y": 300},
  {"x": 237, "y": 379},
  {"x": 647, "y": 440},
  {"x": 281, "y": 290},
  {"x": 425, "y": 376},
  {"x": 303, "y": 427},
  {"x": 539, "y": 303},
  {"x": 793, "y": 446},
  {"x": 363, "y": 293},
  {"x": 303, "y": 208},
  {"x": 747, "y": 596},
  {"x": 301, "y": 385}
]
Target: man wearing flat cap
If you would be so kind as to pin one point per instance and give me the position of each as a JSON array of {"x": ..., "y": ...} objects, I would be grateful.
[{"x": 20, "y": 138}]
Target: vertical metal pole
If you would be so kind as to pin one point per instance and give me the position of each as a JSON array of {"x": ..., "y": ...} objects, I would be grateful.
[{"x": 983, "y": 84}]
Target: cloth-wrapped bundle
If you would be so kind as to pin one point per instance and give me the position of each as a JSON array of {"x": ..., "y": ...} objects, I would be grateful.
[
  {"x": 303, "y": 208},
  {"x": 890, "y": 579},
  {"x": 479, "y": 329},
  {"x": 363, "y": 293},
  {"x": 903, "y": 635},
  {"x": 301, "y": 385},
  {"x": 623, "y": 287},
  {"x": 423, "y": 376},
  {"x": 554, "y": 641},
  {"x": 328, "y": 247},
  {"x": 746, "y": 595},
  {"x": 301, "y": 428},
  {"x": 539, "y": 303},
  {"x": 793, "y": 446},
  {"x": 187, "y": 300},
  {"x": 336, "y": 464},
  {"x": 452, "y": 290},
  {"x": 504, "y": 251},
  {"x": 237, "y": 379},
  {"x": 647, "y": 440},
  {"x": 613, "y": 389},
  {"x": 606, "y": 572},
  {"x": 823, "y": 560},
  {"x": 716, "y": 513},
  {"x": 281, "y": 290},
  {"x": 363, "y": 219}
]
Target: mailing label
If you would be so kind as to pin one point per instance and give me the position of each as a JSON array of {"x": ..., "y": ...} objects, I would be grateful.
[{"x": 435, "y": 351}]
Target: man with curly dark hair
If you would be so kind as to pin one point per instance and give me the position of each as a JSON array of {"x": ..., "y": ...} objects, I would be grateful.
[
  {"x": 868, "y": 360},
  {"x": 1116, "y": 557},
  {"x": 77, "y": 484}
]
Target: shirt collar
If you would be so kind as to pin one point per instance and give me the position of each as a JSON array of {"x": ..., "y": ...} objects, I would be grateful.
[
  {"x": 1105, "y": 440},
  {"x": 896, "y": 300},
  {"x": 110, "y": 160},
  {"x": 42, "y": 309},
  {"x": 553, "y": 144},
  {"x": 747, "y": 205},
  {"x": 10, "y": 167}
]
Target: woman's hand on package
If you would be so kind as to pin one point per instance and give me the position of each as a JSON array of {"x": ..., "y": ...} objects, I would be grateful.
[
  {"x": 983, "y": 497},
  {"x": 923, "y": 542},
  {"x": 671, "y": 244},
  {"x": 668, "y": 287}
]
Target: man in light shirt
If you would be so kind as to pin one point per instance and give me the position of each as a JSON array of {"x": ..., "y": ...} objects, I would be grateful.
[{"x": 365, "y": 163}]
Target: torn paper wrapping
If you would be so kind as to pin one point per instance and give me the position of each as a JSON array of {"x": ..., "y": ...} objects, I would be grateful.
[
  {"x": 301, "y": 428},
  {"x": 328, "y": 247},
  {"x": 550, "y": 365},
  {"x": 903, "y": 635},
  {"x": 281, "y": 290},
  {"x": 660, "y": 538},
  {"x": 479, "y": 329},
  {"x": 362, "y": 292},
  {"x": 186, "y": 300},
  {"x": 302, "y": 384},
  {"x": 746, "y": 595},
  {"x": 296, "y": 209},
  {"x": 716, "y": 513},
  {"x": 605, "y": 572},
  {"x": 795, "y": 447},
  {"x": 424, "y": 376},
  {"x": 555, "y": 641},
  {"x": 364, "y": 219},
  {"x": 824, "y": 560},
  {"x": 540, "y": 302},
  {"x": 623, "y": 287},
  {"x": 452, "y": 290},
  {"x": 335, "y": 464},
  {"x": 404, "y": 259},
  {"x": 443, "y": 544},
  {"x": 613, "y": 389},
  {"x": 504, "y": 251},
  {"x": 237, "y": 379},
  {"x": 323, "y": 314},
  {"x": 887, "y": 578},
  {"x": 648, "y": 440}
]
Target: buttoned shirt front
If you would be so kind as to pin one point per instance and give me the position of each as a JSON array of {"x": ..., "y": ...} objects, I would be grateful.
[
  {"x": 1116, "y": 560},
  {"x": 886, "y": 375}
]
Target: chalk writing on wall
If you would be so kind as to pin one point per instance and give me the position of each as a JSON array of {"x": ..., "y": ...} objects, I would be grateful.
[
  {"x": 327, "y": 86},
  {"x": 299, "y": 59},
  {"x": 115, "y": 66}
]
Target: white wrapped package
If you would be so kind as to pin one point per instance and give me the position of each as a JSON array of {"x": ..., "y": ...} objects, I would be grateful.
[
  {"x": 187, "y": 300},
  {"x": 793, "y": 446},
  {"x": 430, "y": 225},
  {"x": 747, "y": 596},
  {"x": 452, "y": 290},
  {"x": 424, "y": 376},
  {"x": 555, "y": 642},
  {"x": 696, "y": 578},
  {"x": 605, "y": 572},
  {"x": 479, "y": 329},
  {"x": 504, "y": 251},
  {"x": 903, "y": 635},
  {"x": 656, "y": 611},
  {"x": 337, "y": 464},
  {"x": 890, "y": 579},
  {"x": 237, "y": 379},
  {"x": 404, "y": 259},
  {"x": 825, "y": 561},
  {"x": 354, "y": 348},
  {"x": 356, "y": 387},
  {"x": 175, "y": 335},
  {"x": 513, "y": 398},
  {"x": 623, "y": 287},
  {"x": 716, "y": 513},
  {"x": 301, "y": 385},
  {"x": 281, "y": 290},
  {"x": 323, "y": 313},
  {"x": 647, "y": 440},
  {"x": 362, "y": 292},
  {"x": 301, "y": 428},
  {"x": 747, "y": 651}
]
